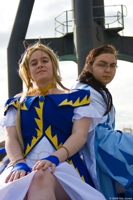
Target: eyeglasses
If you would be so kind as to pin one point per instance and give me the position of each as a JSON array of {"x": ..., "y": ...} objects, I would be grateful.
[{"x": 104, "y": 65}]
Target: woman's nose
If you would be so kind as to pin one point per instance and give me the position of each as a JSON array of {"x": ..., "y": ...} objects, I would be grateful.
[
  {"x": 108, "y": 68},
  {"x": 40, "y": 64}
]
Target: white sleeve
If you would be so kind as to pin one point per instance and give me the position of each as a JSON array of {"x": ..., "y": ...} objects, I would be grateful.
[
  {"x": 10, "y": 118},
  {"x": 90, "y": 112}
]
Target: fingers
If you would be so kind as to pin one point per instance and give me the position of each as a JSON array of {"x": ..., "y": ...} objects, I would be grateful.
[
  {"x": 7, "y": 178},
  {"x": 40, "y": 164},
  {"x": 15, "y": 175},
  {"x": 44, "y": 164},
  {"x": 52, "y": 167}
]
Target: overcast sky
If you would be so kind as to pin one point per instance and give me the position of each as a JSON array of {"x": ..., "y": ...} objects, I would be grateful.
[{"x": 42, "y": 25}]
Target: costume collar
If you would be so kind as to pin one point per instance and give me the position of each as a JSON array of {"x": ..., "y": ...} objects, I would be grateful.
[{"x": 44, "y": 91}]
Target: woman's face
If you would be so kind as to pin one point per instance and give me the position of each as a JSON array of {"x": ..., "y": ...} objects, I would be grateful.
[
  {"x": 40, "y": 68},
  {"x": 104, "y": 68}
]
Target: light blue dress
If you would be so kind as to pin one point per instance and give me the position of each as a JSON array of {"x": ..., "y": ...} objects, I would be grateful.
[{"x": 113, "y": 151}]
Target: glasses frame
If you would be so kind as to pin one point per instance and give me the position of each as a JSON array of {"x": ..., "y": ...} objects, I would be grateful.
[{"x": 104, "y": 65}]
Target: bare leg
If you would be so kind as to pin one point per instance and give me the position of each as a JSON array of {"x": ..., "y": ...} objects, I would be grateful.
[{"x": 46, "y": 187}]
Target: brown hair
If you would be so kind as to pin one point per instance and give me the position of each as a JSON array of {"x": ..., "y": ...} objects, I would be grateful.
[
  {"x": 96, "y": 52},
  {"x": 87, "y": 77}
]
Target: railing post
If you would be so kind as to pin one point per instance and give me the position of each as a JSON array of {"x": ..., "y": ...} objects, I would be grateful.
[
  {"x": 66, "y": 21},
  {"x": 122, "y": 15}
]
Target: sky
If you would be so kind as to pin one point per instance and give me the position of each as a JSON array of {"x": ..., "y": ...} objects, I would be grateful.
[{"x": 42, "y": 25}]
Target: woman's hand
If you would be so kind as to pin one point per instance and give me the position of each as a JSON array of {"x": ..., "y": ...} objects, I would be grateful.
[
  {"x": 18, "y": 171},
  {"x": 44, "y": 164},
  {"x": 16, "y": 175}
]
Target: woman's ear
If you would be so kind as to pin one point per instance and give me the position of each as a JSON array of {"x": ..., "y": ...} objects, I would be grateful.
[{"x": 89, "y": 67}]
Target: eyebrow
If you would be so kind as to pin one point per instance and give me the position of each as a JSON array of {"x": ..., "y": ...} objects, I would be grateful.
[
  {"x": 44, "y": 57},
  {"x": 106, "y": 62}
]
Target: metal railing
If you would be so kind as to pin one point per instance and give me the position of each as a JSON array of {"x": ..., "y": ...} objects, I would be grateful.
[
  {"x": 64, "y": 23},
  {"x": 113, "y": 15},
  {"x": 113, "y": 18}
]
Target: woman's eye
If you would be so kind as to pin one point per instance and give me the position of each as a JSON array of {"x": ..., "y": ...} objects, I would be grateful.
[
  {"x": 113, "y": 66},
  {"x": 102, "y": 64},
  {"x": 44, "y": 61},
  {"x": 33, "y": 64}
]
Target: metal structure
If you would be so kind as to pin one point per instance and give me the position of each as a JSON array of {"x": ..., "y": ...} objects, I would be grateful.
[
  {"x": 64, "y": 22},
  {"x": 84, "y": 27}
]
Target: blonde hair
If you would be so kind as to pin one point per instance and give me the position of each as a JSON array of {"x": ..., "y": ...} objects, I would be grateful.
[
  {"x": 24, "y": 65},
  {"x": 24, "y": 74}
]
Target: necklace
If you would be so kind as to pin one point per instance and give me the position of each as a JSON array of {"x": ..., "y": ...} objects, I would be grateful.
[{"x": 44, "y": 91}]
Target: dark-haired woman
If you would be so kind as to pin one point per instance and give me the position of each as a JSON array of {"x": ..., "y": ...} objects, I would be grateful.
[{"x": 113, "y": 156}]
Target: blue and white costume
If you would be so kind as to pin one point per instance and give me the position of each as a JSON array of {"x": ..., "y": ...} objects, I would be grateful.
[
  {"x": 46, "y": 123},
  {"x": 113, "y": 154}
]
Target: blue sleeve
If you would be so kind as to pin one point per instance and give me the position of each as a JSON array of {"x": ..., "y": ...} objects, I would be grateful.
[
  {"x": 10, "y": 102},
  {"x": 114, "y": 154}
]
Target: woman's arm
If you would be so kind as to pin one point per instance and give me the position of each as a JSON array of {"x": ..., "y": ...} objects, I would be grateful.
[
  {"x": 12, "y": 146},
  {"x": 76, "y": 140},
  {"x": 14, "y": 151},
  {"x": 73, "y": 144}
]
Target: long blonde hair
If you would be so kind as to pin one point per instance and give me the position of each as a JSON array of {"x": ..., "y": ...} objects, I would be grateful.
[
  {"x": 24, "y": 64},
  {"x": 24, "y": 74}
]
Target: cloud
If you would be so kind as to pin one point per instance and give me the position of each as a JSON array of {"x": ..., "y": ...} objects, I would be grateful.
[
  {"x": 69, "y": 72},
  {"x": 41, "y": 30},
  {"x": 127, "y": 9},
  {"x": 42, "y": 25},
  {"x": 122, "y": 93}
]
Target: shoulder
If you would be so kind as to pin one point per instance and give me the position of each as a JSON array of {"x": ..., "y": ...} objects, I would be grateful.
[
  {"x": 59, "y": 91},
  {"x": 18, "y": 95},
  {"x": 83, "y": 86},
  {"x": 73, "y": 98},
  {"x": 11, "y": 102},
  {"x": 13, "y": 99},
  {"x": 80, "y": 85}
]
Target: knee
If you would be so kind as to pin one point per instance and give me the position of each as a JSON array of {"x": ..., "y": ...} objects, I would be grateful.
[{"x": 45, "y": 177}]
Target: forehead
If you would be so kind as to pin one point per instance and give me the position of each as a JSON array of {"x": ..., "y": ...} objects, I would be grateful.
[
  {"x": 107, "y": 57},
  {"x": 38, "y": 54}
]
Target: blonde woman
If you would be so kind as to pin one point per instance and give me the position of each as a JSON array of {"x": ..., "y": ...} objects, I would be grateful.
[{"x": 45, "y": 128}]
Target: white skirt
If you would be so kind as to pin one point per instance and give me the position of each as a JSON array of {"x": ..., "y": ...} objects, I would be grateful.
[{"x": 65, "y": 174}]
